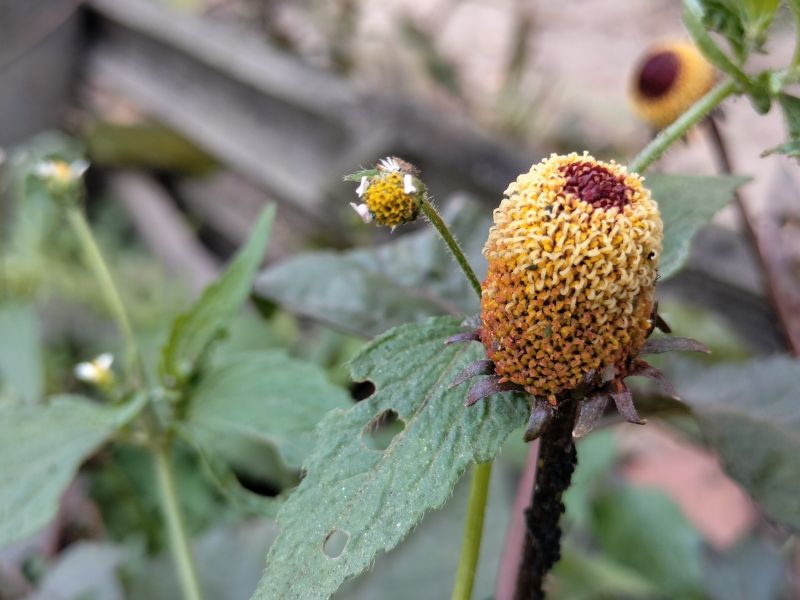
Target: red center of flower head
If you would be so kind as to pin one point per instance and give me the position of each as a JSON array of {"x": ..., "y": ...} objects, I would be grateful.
[
  {"x": 658, "y": 74},
  {"x": 595, "y": 184}
]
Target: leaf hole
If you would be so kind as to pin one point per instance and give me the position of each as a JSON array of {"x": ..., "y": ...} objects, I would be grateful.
[
  {"x": 380, "y": 431},
  {"x": 361, "y": 390},
  {"x": 335, "y": 543}
]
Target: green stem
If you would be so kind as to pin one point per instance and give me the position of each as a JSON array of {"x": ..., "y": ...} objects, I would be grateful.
[
  {"x": 176, "y": 530},
  {"x": 473, "y": 531},
  {"x": 653, "y": 151},
  {"x": 479, "y": 487},
  {"x": 452, "y": 244},
  {"x": 97, "y": 264}
]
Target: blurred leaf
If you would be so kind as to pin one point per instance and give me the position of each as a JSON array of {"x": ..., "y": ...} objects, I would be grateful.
[
  {"x": 694, "y": 21},
  {"x": 263, "y": 396},
  {"x": 582, "y": 576},
  {"x": 644, "y": 530},
  {"x": 790, "y": 148},
  {"x": 194, "y": 331},
  {"x": 21, "y": 352},
  {"x": 724, "y": 17},
  {"x": 749, "y": 415},
  {"x": 687, "y": 202},
  {"x": 371, "y": 499},
  {"x": 751, "y": 571},
  {"x": 791, "y": 115},
  {"x": 370, "y": 290},
  {"x": 41, "y": 449},
  {"x": 85, "y": 570},
  {"x": 144, "y": 146},
  {"x": 597, "y": 455},
  {"x": 231, "y": 559},
  {"x": 123, "y": 488}
]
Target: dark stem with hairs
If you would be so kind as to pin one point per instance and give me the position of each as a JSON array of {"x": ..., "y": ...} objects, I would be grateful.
[{"x": 542, "y": 545}]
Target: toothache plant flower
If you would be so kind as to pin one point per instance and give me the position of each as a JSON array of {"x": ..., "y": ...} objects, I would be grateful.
[
  {"x": 391, "y": 193},
  {"x": 569, "y": 297}
]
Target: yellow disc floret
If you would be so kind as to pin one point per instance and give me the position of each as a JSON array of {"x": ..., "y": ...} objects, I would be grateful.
[
  {"x": 572, "y": 268},
  {"x": 388, "y": 202},
  {"x": 670, "y": 78},
  {"x": 391, "y": 193}
]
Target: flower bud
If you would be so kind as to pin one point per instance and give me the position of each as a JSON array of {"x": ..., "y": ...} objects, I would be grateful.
[
  {"x": 669, "y": 79},
  {"x": 569, "y": 292}
]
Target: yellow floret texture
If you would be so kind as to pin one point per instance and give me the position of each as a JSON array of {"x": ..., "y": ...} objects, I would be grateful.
[
  {"x": 572, "y": 268},
  {"x": 387, "y": 201}
]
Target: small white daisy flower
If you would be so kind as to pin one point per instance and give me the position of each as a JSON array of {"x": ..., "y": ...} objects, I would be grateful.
[
  {"x": 97, "y": 370},
  {"x": 60, "y": 171}
]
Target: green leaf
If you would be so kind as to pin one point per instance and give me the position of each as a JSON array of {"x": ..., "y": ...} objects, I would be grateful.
[
  {"x": 791, "y": 115},
  {"x": 645, "y": 531},
  {"x": 687, "y": 202},
  {"x": 790, "y": 148},
  {"x": 41, "y": 449},
  {"x": 371, "y": 499},
  {"x": 194, "y": 331},
  {"x": 266, "y": 397},
  {"x": 694, "y": 21},
  {"x": 753, "y": 571},
  {"x": 582, "y": 576},
  {"x": 21, "y": 352},
  {"x": 422, "y": 566},
  {"x": 367, "y": 291},
  {"x": 749, "y": 415}
]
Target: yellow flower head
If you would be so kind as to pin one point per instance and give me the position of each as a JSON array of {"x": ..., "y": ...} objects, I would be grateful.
[
  {"x": 572, "y": 268},
  {"x": 669, "y": 79},
  {"x": 391, "y": 193}
]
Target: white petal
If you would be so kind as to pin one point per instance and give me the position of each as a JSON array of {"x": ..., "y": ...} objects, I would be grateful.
[
  {"x": 79, "y": 167},
  {"x": 86, "y": 371},
  {"x": 362, "y": 211},
  {"x": 362, "y": 187},
  {"x": 45, "y": 168},
  {"x": 408, "y": 184},
  {"x": 104, "y": 361},
  {"x": 390, "y": 164}
]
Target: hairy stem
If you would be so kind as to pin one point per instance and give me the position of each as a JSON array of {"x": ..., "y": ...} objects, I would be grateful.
[
  {"x": 479, "y": 487},
  {"x": 668, "y": 136},
  {"x": 542, "y": 545},
  {"x": 473, "y": 531},
  {"x": 176, "y": 530},
  {"x": 437, "y": 221},
  {"x": 97, "y": 264}
]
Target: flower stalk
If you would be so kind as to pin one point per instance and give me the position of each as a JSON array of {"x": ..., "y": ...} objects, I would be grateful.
[
  {"x": 176, "y": 529},
  {"x": 671, "y": 134},
  {"x": 160, "y": 441},
  {"x": 436, "y": 220}
]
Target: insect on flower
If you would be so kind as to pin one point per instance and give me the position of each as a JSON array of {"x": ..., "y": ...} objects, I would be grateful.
[{"x": 568, "y": 300}]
